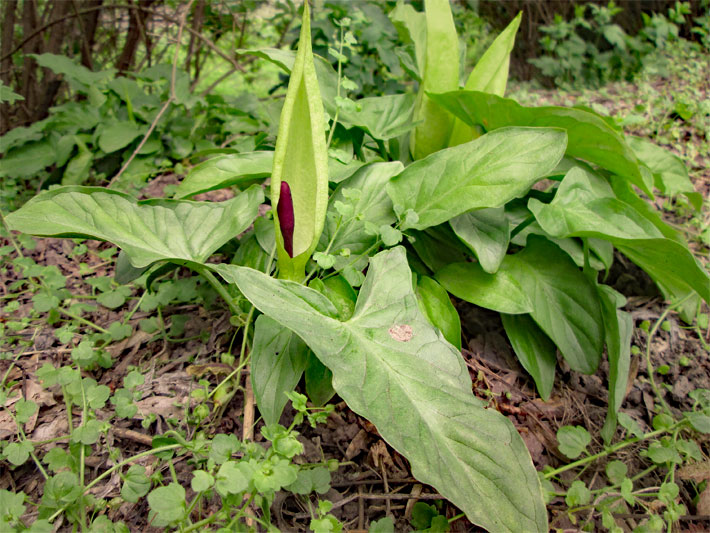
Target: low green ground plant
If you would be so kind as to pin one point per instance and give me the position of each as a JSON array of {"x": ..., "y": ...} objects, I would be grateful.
[{"x": 591, "y": 49}]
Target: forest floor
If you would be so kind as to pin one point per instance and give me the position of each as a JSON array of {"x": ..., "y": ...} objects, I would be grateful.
[{"x": 373, "y": 480}]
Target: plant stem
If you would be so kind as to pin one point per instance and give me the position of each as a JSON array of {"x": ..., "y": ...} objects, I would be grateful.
[
  {"x": 114, "y": 468},
  {"x": 610, "y": 450},
  {"x": 520, "y": 227},
  {"x": 83, "y": 320},
  {"x": 217, "y": 286},
  {"x": 245, "y": 334},
  {"x": 9, "y": 235},
  {"x": 82, "y": 453},
  {"x": 337, "y": 110},
  {"x": 132, "y": 311},
  {"x": 23, "y": 438},
  {"x": 198, "y": 525}
]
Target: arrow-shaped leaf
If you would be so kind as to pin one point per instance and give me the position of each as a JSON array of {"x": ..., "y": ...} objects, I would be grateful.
[
  {"x": 487, "y": 172},
  {"x": 590, "y": 137},
  {"x": 580, "y": 211},
  {"x": 148, "y": 231},
  {"x": 392, "y": 367},
  {"x": 278, "y": 359},
  {"x": 225, "y": 170}
]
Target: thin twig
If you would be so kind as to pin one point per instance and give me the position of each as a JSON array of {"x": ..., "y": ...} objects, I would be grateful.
[
  {"x": 169, "y": 101},
  {"x": 217, "y": 82},
  {"x": 248, "y": 430}
]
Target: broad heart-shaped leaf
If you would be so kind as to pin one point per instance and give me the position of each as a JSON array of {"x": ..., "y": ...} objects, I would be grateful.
[
  {"x": 618, "y": 328},
  {"x": 278, "y": 359},
  {"x": 487, "y": 172},
  {"x": 392, "y": 367},
  {"x": 301, "y": 162},
  {"x": 486, "y": 232},
  {"x": 565, "y": 303},
  {"x": 669, "y": 173},
  {"x": 535, "y": 351},
  {"x": 149, "y": 231},
  {"x": 225, "y": 170},
  {"x": 490, "y": 75},
  {"x": 589, "y": 136},
  {"x": 500, "y": 291},
  {"x": 371, "y": 207},
  {"x": 383, "y": 117},
  {"x": 578, "y": 211}
]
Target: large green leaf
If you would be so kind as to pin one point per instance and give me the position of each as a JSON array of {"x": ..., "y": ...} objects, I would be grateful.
[
  {"x": 564, "y": 302},
  {"x": 383, "y": 117},
  {"x": 490, "y": 75},
  {"x": 28, "y": 159},
  {"x": 535, "y": 351},
  {"x": 365, "y": 193},
  {"x": 119, "y": 135},
  {"x": 392, "y": 367},
  {"x": 618, "y": 328},
  {"x": 78, "y": 167},
  {"x": 579, "y": 211},
  {"x": 319, "y": 381},
  {"x": 625, "y": 192},
  {"x": 500, "y": 291},
  {"x": 440, "y": 74},
  {"x": 225, "y": 170},
  {"x": 487, "y": 233},
  {"x": 435, "y": 303},
  {"x": 147, "y": 231},
  {"x": 589, "y": 136},
  {"x": 437, "y": 247},
  {"x": 78, "y": 76},
  {"x": 487, "y": 172},
  {"x": 278, "y": 359}
]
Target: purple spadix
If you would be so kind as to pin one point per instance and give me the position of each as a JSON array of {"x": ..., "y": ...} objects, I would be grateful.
[{"x": 286, "y": 217}]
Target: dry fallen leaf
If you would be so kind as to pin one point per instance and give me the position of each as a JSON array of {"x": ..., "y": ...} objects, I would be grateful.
[
  {"x": 695, "y": 472},
  {"x": 703, "y": 507},
  {"x": 358, "y": 444}
]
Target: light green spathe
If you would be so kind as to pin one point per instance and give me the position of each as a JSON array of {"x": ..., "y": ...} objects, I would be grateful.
[
  {"x": 301, "y": 159},
  {"x": 490, "y": 75},
  {"x": 441, "y": 73}
]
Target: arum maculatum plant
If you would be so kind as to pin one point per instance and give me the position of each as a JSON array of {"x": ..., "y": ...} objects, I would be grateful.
[
  {"x": 299, "y": 181},
  {"x": 370, "y": 245}
]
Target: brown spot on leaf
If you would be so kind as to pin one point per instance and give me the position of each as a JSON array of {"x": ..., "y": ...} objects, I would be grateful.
[{"x": 401, "y": 332}]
